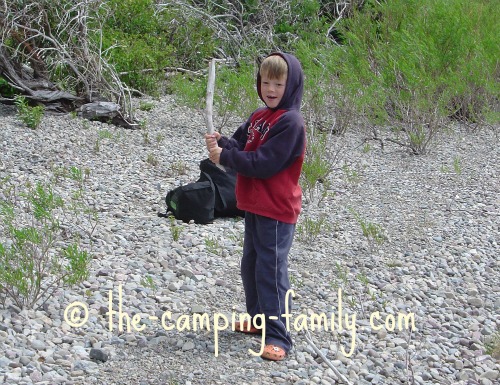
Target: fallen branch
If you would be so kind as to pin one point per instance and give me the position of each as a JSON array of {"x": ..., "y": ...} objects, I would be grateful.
[
  {"x": 340, "y": 16},
  {"x": 409, "y": 366},
  {"x": 183, "y": 71},
  {"x": 40, "y": 53},
  {"x": 327, "y": 361}
]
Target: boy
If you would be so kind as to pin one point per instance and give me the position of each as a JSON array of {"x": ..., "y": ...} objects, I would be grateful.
[{"x": 267, "y": 153}]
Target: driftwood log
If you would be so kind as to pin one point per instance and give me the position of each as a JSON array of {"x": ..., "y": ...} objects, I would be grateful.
[
  {"x": 40, "y": 90},
  {"x": 105, "y": 112},
  {"x": 31, "y": 52}
]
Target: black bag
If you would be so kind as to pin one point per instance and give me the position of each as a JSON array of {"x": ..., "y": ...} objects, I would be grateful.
[
  {"x": 225, "y": 184},
  {"x": 213, "y": 195},
  {"x": 194, "y": 201}
]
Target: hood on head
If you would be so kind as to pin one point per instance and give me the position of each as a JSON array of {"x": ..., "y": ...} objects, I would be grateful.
[{"x": 292, "y": 98}]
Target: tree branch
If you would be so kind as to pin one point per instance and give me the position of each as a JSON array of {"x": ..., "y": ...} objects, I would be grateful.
[{"x": 326, "y": 360}]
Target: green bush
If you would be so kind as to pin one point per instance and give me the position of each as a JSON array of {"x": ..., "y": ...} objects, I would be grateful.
[
  {"x": 414, "y": 59},
  {"x": 31, "y": 116},
  {"x": 37, "y": 257},
  {"x": 6, "y": 90},
  {"x": 406, "y": 64},
  {"x": 142, "y": 42},
  {"x": 135, "y": 41},
  {"x": 318, "y": 164},
  {"x": 189, "y": 91},
  {"x": 305, "y": 21},
  {"x": 139, "y": 59},
  {"x": 235, "y": 94}
]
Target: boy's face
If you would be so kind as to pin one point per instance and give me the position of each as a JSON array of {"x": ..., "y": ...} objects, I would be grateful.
[{"x": 272, "y": 90}]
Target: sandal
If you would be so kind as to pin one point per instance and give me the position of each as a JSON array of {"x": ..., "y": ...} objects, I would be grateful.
[
  {"x": 246, "y": 327},
  {"x": 273, "y": 353}
]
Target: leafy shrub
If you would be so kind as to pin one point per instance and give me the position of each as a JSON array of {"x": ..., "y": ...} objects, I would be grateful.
[
  {"x": 309, "y": 229},
  {"x": 139, "y": 58},
  {"x": 192, "y": 39},
  {"x": 38, "y": 255},
  {"x": 316, "y": 168},
  {"x": 235, "y": 94},
  {"x": 304, "y": 21},
  {"x": 142, "y": 41},
  {"x": 5, "y": 89},
  {"x": 414, "y": 62},
  {"x": 404, "y": 64},
  {"x": 189, "y": 91},
  {"x": 31, "y": 116}
]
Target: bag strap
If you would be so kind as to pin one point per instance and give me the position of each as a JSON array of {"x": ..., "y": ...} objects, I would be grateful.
[{"x": 206, "y": 176}]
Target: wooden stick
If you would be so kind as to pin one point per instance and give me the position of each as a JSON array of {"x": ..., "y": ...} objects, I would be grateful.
[
  {"x": 326, "y": 360},
  {"x": 210, "y": 97},
  {"x": 210, "y": 102}
]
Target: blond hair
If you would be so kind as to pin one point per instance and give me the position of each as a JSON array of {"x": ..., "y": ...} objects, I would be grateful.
[{"x": 274, "y": 67}]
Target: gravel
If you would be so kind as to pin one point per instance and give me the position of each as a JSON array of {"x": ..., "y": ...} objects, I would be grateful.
[{"x": 437, "y": 264}]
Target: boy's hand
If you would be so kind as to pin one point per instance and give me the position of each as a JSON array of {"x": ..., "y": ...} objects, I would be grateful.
[
  {"x": 211, "y": 139},
  {"x": 215, "y": 154},
  {"x": 212, "y": 146}
]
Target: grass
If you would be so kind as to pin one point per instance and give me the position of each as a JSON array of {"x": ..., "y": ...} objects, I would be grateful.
[
  {"x": 152, "y": 159},
  {"x": 295, "y": 282},
  {"x": 351, "y": 175},
  {"x": 146, "y": 106},
  {"x": 213, "y": 246},
  {"x": 148, "y": 282},
  {"x": 373, "y": 232},
  {"x": 175, "y": 230},
  {"x": 105, "y": 134},
  {"x": 31, "y": 116},
  {"x": 493, "y": 346},
  {"x": 177, "y": 168},
  {"x": 310, "y": 229}
]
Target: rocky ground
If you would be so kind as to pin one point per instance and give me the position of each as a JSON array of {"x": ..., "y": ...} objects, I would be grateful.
[{"x": 437, "y": 267}]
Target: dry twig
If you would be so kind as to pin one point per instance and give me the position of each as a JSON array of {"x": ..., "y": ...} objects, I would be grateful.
[{"x": 326, "y": 360}]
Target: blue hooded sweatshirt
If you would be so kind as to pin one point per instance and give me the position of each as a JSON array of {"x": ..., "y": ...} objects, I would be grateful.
[{"x": 267, "y": 152}]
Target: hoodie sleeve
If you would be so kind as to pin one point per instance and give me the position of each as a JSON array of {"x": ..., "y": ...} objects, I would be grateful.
[
  {"x": 286, "y": 143},
  {"x": 238, "y": 139}
]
